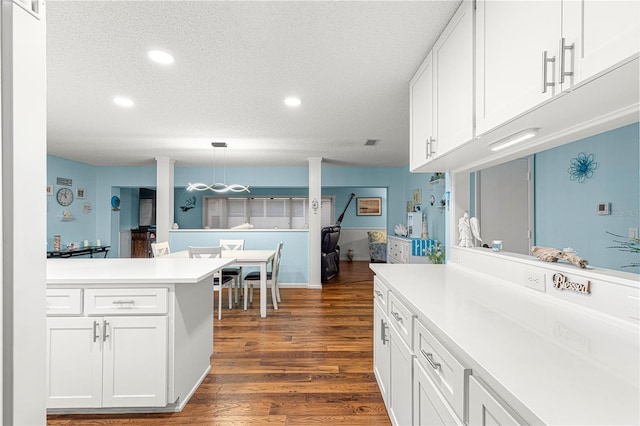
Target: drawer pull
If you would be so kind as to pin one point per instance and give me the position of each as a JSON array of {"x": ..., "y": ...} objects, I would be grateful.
[
  {"x": 429, "y": 358},
  {"x": 124, "y": 302},
  {"x": 396, "y": 316},
  {"x": 96, "y": 332},
  {"x": 379, "y": 293}
]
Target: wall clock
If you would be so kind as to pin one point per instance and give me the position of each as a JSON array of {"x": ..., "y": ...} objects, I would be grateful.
[
  {"x": 115, "y": 203},
  {"x": 65, "y": 196}
]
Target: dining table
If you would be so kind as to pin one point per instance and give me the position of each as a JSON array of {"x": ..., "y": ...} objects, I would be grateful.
[{"x": 260, "y": 258}]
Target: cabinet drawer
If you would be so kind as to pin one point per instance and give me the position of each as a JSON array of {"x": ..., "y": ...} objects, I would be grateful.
[
  {"x": 133, "y": 301},
  {"x": 443, "y": 368},
  {"x": 402, "y": 319},
  {"x": 64, "y": 301},
  {"x": 380, "y": 293},
  {"x": 484, "y": 404}
]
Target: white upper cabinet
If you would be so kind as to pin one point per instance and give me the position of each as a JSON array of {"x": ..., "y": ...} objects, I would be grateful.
[
  {"x": 441, "y": 92},
  {"x": 513, "y": 73},
  {"x": 453, "y": 81},
  {"x": 527, "y": 52},
  {"x": 603, "y": 33},
  {"x": 421, "y": 116}
]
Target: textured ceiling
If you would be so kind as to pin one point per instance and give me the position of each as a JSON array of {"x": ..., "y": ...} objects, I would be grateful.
[{"x": 349, "y": 62}]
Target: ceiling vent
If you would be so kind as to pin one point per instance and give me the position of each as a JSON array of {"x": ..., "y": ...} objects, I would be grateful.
[
  {"x": 372, "y": 142},
  {"x": 219, "y": 144}
]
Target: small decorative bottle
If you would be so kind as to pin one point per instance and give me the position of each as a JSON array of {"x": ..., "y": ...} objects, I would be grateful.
[
  {"x": 425, "y": 233},
  {"x": 56, "y": 243}
]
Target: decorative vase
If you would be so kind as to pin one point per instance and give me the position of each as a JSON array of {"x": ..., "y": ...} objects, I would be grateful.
[{"x": 56, "y": 243}]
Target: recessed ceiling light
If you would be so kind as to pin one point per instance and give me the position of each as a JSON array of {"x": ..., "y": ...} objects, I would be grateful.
[
  {"x": 123, "y": 102},
  {"x": 160, "y": 57},
  {"x": 292, "y": 102}
]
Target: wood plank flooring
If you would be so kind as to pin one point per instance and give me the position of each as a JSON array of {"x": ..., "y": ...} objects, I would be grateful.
[{"x": 309, "y": 362}]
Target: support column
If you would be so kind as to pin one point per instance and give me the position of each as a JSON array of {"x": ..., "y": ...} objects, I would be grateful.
[
  {"x": 164, "y": 197},
  {"x": 315, "y": 221}
]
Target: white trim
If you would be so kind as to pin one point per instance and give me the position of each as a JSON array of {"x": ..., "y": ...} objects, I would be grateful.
[{"x": 236, "y": 230}]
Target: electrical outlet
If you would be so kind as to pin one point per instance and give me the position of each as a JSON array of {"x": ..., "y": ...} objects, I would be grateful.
[
  {"x": 633, "y": 307},
  {"x": 534, "y": 280}
]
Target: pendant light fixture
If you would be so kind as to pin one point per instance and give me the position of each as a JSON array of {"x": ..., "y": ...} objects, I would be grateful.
[{"x": 218, "y": 187}]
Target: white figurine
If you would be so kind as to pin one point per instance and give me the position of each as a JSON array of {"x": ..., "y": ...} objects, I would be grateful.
[
  {"x": 475, "y": 230},
  {"x": 464, "y": 228}
]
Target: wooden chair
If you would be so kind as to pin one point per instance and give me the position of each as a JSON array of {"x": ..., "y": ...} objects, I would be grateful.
[
  {"x": 272, "y": 279},
  {"x": 160, "y": 249},
  {"x": 218, "y": 281},
  {"x": 235, "y": 273}
]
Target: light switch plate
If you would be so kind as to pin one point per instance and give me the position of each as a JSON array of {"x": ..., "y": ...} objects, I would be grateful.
[{"x": 534, "y": 280}]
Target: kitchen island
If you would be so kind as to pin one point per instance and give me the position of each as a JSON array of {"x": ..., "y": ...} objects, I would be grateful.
[
  {"x": 128, "y": 335},
  {"x": 455, "y": 346}
]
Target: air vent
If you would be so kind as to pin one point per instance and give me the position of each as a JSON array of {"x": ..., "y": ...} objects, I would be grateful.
[
  {"x": 219, "y": 144},
  {"x": 372, "y": 142}
]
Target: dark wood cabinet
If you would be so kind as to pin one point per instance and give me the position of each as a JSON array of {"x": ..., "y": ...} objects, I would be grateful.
[{"x": 141, "y": 242}]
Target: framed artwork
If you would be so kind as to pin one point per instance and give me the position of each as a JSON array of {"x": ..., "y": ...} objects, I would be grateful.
[
  {"x": 409, "y": 206},
  {"x": 371, "y": 206},
  {"x": 49, "y": 189},
  {"x": 80, "y": 193},
  {"x": 63, "y": 181},
  {"x": 417, "y": 196}
]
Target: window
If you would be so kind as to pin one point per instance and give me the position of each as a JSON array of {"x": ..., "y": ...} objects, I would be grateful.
[{"x": 262, "y": 212}]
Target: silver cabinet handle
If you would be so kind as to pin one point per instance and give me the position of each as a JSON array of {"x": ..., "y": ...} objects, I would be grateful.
[
  {"x": 428, "y": 153},
  {"x": 123, "y": 302},
  {"x": 96, "y": 331},
  {"x": 429, "y": 358},
  {"x": 432, "y": 149},
  {"x": 383, "y": 332},
  {"x": 104, "y": 331},
  {"x": 396, "y": 316},
  {"x": 545, "y": 61},
  {"x": 563, "y": 58}
]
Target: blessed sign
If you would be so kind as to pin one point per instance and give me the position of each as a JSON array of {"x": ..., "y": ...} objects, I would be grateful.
[{"x": 562, "y": 283}]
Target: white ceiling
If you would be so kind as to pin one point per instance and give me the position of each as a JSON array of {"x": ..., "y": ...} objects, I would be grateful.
[{"x": 236, "y": 61}]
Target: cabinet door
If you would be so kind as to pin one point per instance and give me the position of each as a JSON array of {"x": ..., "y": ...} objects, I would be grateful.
[
  {"x": 484, "y": 409},
  {"x": 74, "y": 363},
  {"x": 381, "y": 350},
  {"x": 453, "y": 81},
  {"x": 511, "y": 37},
  {"x": 135, "y": 362},
  {"x": 421, "y": 116},
  {"x": 429, "y": 406},
  {"x": 603, "y": 33},
  {"x": 400, "y": 403}
]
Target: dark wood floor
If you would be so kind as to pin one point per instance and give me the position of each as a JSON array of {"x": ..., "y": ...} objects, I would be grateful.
[{"x": 310, "y": 362}]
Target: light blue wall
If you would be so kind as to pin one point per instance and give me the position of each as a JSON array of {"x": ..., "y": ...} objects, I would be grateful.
[
  {"x": 83, "y": 227},
  {"x": 435, "y": 214},
  {"x": 295, "y": 251},
  {"x": 351, "y": 219},
  {"x": 565, "y": 210}
]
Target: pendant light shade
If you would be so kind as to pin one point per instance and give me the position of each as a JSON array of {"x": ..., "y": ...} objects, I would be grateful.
[{"x": 216, "y": 186}]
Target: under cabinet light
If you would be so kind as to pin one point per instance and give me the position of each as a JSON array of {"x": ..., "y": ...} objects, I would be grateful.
[
  {"x": 292, "y": 102},
  {"x": 513, "y": 139},
  {"x": 123, "y": 102},
  {"x": 161, "y": 57}
]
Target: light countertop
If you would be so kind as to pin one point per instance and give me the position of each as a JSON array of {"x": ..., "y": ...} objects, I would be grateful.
[
  {"x": 132, "y": 271},
  {"x": 565, "y": 363}
]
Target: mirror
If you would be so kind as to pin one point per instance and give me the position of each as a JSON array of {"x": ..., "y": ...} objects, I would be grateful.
[{"x": 584, "y": 195}]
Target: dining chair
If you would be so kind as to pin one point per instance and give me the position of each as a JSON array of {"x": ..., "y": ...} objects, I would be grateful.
[
  {"x": 160, "y": 249},
  {"x": 235, "y": 273},
  {"x": 218, "y": 281},
  {"x": 272, "y": 280}
]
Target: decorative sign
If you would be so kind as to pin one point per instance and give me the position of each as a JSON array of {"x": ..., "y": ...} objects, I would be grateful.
[
  {"x": 63, "y": 181},
  {"x": 562, "y": 283}
]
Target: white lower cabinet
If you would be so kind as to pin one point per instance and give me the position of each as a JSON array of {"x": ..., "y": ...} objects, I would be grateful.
[
  {"x": 381, "y": 350},
  {"x": 117, "y": 360},
  {"x": 485, "y": 409},
  {"x": 400, "y": 386},
  {"x": 429, "y": 406},
  {"x": 107, "y": 362}
]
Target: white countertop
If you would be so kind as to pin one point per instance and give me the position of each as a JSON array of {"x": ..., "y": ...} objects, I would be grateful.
[
  {"x": 132, "y": 271},
  {"x": 566, "y": 364}
]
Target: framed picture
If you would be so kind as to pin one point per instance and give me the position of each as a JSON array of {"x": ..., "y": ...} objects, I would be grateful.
[
  {"x": 409, "y": 206},
  {"x": 369, "y": 206},
  {"x": 417, "y": 196},
  {"x": 49, "y": 189},
  {"x": 80, "y": 193}
]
